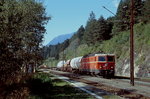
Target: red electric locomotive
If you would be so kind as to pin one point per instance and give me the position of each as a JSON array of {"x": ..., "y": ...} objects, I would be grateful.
[{"x": 99, "y": 64}]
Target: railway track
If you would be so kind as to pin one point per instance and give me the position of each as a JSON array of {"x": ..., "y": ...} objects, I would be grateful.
[
  {"x": 117, "y": 86},
  {"x": 144, "y": 82},
  {"x": 137, "y": 82}
]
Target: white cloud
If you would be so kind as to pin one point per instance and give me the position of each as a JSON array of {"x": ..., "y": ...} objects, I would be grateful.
[{"x": 116, "y": 3}]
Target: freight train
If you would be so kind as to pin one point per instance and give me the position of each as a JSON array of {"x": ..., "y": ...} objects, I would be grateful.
[{"x": 95, "y": 64}]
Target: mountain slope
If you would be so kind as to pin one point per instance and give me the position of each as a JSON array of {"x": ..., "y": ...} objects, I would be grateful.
[
  {"x": 60, "y": 39},
  {"x": 120, "y": 46}
]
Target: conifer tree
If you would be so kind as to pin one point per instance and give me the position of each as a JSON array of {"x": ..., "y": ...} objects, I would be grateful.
[
  {"x": 100, "y": 30},
  {"x": 90, "y": 27},
  {"x": 122, "y": 21},
  {"x": 138, "y": 6},
  {"x": 80, "y": 33},
  {"x": 146, "y": 11}
]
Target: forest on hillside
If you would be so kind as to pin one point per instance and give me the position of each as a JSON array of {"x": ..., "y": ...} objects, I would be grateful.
[{"x": 99, "y": 31}]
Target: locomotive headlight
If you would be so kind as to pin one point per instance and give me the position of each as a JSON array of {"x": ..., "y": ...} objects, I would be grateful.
[
  {"x": 106, "y": 64},
  {"x": 112, "y": 67}
]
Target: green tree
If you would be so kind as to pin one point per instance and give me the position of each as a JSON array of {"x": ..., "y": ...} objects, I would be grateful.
[
  {"x": 34, "y": 19},
  {"x": 122, "y": 19},
  {"x": 21, "y": 32},
  {"x": 146, "y": 11},
  {"x": 101, "y": 33},
  {"x": 90, "y": 26},
  {"x": 80, "y": 33},
  {"x": 110, "y": 23},
  {"x": 138, "y": 6}
]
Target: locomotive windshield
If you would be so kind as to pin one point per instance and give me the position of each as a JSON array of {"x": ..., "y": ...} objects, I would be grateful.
[
  {"x": 101, "y": 58},
  {"x": 110, "y": 59}
]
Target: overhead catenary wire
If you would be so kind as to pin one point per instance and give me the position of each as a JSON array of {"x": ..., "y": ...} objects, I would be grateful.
[{"x": 108, "y": 10}]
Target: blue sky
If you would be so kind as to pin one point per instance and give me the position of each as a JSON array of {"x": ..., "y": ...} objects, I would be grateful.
[{"x": 69, "y": 15}]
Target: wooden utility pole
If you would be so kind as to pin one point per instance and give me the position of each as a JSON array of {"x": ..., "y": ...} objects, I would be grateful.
[
  {"x": 131, "y": 41},
  {"x": 132, "y": 44},
  {"x": 63, "y": 58}
]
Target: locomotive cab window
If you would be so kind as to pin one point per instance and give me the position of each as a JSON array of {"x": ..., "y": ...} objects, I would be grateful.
[
  {"x": 110, "y": 59},
  {"x": 101, "y": 58}
]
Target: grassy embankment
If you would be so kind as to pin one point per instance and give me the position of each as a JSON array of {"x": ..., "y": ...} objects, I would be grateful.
[
  {"x": 46, "y": 86},
  {"x": 42, "y": 86}
]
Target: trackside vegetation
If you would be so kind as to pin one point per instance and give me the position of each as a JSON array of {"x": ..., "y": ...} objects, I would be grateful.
[
  {"x": 46, "y": 86},
  {"x": 43, "y": 86},
  {"x": 22, "y": 27}
]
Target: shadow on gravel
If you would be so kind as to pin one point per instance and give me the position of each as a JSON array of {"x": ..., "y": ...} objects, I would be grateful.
[
  {"x": 129, "y": 94},
  {"x": 121, "y": 77},
  {"x": 123, "y": 91}
]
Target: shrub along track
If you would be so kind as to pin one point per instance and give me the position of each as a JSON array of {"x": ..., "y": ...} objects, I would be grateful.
[{"x": 126, "y": 93}]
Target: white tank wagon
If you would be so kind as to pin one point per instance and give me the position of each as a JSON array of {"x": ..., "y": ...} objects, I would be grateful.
[
  {"x": 76, "y": 63},
  {"x": 67, "y": 62},
  {"x": 67, "y": 66},
  {"x": 60, "y": 64}
]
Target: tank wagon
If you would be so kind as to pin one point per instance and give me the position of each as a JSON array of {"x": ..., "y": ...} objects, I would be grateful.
[
  {"x": 76, "y": 64},
  {"x": 60, "y": 65},
  {"x": 96, "y": 64},
  {"x": 67, "y": 66}
]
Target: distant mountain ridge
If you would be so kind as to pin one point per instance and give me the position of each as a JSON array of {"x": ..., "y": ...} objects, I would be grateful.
[{"x": 60, "y": 39}]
